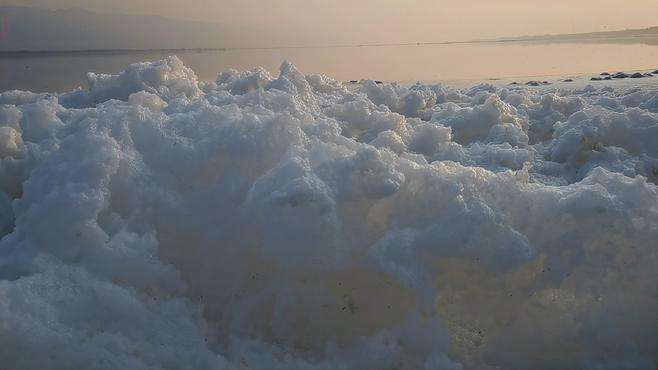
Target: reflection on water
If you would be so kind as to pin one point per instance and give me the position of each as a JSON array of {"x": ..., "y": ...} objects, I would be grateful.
[{"x": 402, "y": 63}]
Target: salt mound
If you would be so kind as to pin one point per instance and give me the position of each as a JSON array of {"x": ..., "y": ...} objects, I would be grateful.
[{"x": 296, "y": 222}]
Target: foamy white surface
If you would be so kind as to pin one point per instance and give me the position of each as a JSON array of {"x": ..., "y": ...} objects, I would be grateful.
[{"x": 294, "y": 222}]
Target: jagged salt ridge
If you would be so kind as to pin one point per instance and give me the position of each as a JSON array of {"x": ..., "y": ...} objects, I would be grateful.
[{"x": 158, "y": 222}]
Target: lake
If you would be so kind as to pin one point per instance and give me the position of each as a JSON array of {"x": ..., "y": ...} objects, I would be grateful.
[{"x": 462, "y": 62}]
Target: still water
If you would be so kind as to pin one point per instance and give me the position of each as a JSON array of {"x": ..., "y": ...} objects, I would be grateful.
[{"x": 460, "y": 62}]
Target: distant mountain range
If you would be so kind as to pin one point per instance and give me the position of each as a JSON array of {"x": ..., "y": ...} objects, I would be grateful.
[
  {"x": 34, "y": 29},
  {"x": 637, "y": 36}
]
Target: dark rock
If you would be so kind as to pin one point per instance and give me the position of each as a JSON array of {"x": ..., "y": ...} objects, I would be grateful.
[
  {"x": 607, "y": 78},
  {"x": 533, "y": 83},
  {"x": 655, "y": 72},
  {"x": 545, "y": 83},
  {"x": 353, "y": 81},
  {"x": 637, "y": 75},
  {"x": 620, "y": 75},
  {"x": 596, "y": 79},
  {"x": 605, "y": 74},
  {"x": 568, "y": 80},
  {"x": 379, "y": 82},
  {"x": 648, "y": 75},
  {"x": 514, "y": 83}
]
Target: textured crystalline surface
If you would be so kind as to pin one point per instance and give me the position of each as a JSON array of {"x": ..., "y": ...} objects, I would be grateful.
[{"x": 293, "y": 222}]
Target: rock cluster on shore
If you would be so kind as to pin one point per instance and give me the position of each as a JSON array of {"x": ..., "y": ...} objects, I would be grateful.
[{"x": 605, "y": 76}]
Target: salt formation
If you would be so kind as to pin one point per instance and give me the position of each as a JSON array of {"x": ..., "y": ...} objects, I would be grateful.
[{"x": 158, "y": 222}]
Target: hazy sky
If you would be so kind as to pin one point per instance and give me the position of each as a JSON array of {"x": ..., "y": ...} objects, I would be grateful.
[{"x": 392, "y": 20}]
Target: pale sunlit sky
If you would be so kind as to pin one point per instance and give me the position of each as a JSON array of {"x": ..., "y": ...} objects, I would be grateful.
[{"x": 391, "y": 20}]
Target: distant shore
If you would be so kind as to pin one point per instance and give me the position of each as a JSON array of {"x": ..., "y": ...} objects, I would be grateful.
[{"x": 645, "y": 36}]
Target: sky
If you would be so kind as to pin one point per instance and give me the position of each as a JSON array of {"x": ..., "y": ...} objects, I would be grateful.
[{"x": 390, "y": 20}]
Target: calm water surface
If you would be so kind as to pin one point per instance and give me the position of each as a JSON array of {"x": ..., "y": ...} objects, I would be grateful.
[{"x": 461, "y": 62}]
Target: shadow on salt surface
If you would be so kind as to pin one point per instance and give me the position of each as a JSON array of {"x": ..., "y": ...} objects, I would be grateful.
[{"x": 291, "y": 222}]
